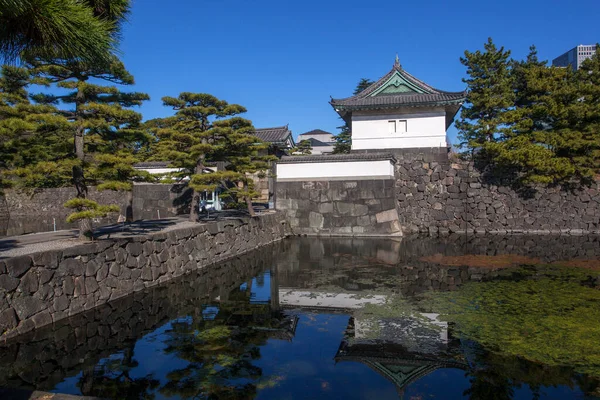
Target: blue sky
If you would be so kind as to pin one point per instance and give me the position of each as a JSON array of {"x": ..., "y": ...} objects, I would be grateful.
[{"x": 283, "y": 59}]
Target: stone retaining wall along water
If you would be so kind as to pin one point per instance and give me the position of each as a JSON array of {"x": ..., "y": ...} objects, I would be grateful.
[
  {"x": 338, "y": 195},
  {"x": 41, "y": 288},
  {"x": 445, "y": 196}
]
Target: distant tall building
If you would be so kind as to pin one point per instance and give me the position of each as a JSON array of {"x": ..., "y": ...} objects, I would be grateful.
[{"x": 575, "y": 57}]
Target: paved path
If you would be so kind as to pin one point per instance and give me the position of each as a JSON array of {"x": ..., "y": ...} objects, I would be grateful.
[{"x": 14, "y": 246}]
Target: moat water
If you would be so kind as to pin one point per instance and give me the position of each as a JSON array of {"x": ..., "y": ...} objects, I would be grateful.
[{"x": 461, "y": 317}]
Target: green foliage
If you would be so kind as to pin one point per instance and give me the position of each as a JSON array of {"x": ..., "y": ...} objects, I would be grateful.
[
  {"x": 30, "y": 134},
  {"x": 537, "y": 121},
  {"x": 61, "y": 29},
  {"x": 544, "y": 315},
  {"x": 302, "y": 148},
  {"x": 343, "y": 140},
  {"x": 88, "y": 209},
  {"x": 490, "y": 93},
  {"x": 205, "y": 131}
]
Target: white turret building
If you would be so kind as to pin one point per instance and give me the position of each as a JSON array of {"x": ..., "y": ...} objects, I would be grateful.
[{"x": 398, "y": 112}]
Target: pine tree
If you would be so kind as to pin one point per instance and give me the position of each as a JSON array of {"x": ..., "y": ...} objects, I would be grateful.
[
  {"x": 489, "y": 94},
  {"x": 30, "y": 134},
  {"x": 302, "y": 148},
  {"x": 545, "y": 129},
  {"x": 104, "y": 130},
  {"x": 243, "y": 155},
  {"x": 86, "y": 30},
  {"x": 199, "y": 134},
  {"x": 343, "y": 140}
]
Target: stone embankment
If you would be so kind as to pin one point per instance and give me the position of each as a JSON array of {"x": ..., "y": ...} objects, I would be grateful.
[
  {"x": 444, "y": 197},
  {"x": 45, "y": 287}
]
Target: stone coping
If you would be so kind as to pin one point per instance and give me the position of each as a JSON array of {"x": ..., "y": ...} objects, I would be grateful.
[{"x": 337, "y": 158}]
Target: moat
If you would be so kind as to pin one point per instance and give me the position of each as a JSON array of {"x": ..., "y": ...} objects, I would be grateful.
[{"x": 488, "y": 317}]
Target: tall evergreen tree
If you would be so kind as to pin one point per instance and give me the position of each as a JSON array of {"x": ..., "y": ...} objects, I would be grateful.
[
  {"x": 343, "y": 140},
  {"x": 86, "y": 30},
  {"x": 489, "y": 94},
  {"x": 103, "y": 129}
]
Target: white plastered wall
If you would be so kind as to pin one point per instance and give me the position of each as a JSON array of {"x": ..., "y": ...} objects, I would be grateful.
[
  {"x": 424, "y": 128},
  {"x": 383, "y": 169}
]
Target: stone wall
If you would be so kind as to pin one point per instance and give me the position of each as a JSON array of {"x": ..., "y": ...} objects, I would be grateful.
[
  {"x": 339, "y": 208},
  {"x": 37, "y": 359},
  {"x": 38, "y": 210},
  {"x": 438, "y": 197},
  {"x": 154, "y": 201},
  {"x": 24, "y": 212},
  {"x": 38, "y": 289},
  {"x": 435, "y": 193}
]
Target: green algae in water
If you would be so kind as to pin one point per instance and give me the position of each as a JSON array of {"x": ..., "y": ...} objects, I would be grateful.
[{"x": 548, "y": 315}]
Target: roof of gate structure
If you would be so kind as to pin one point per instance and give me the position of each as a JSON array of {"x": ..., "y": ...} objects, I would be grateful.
[
  {"x": 397, "y": 89},
  {"x": 279, "y": 134},
  {"x": 394, "y": 363}
]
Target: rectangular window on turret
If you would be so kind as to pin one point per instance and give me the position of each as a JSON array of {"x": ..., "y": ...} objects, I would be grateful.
[
  {"x": 402, "y": 126},
  {"x": 392, "y": 126}
]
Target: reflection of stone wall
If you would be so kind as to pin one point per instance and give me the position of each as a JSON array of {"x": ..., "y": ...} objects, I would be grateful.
[
  {"x": 397, "y": 266},
  {"x": 37, "y": 289},
  {"x": 351, "y": 208},
  {"x": 39, "y": 359}
]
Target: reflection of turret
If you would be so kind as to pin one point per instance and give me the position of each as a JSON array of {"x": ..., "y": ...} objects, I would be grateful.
[{"x": 393, "y": 362}]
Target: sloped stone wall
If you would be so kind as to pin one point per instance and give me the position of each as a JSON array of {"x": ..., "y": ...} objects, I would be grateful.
[
  {"x": 38, "y": 289},
  {"x": 340, "y": 208},
  {"x": 440, "y": 197},
  {"x": 37, "y": 360}
]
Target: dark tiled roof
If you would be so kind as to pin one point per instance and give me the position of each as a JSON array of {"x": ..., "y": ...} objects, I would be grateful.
[
  {"x": 316, "y": 132},
  {"x": 273, "y": 135},
  {"x": 367, "y": 100},
  {"x": 337, "y": 158},
  {"x": 152, "y": 164}
]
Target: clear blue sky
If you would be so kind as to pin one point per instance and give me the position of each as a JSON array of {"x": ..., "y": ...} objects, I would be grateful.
[{"x": 283, "y": 59}]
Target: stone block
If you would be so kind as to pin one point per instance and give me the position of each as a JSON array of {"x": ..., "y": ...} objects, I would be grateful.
[
  {"x": 18, "y": 266},
  {"x": 325, "y": 208},
  {"x": 72, "y": 266},
  {"x": 48, "y": 259},
  {"x": 386, "y": 216},
  {"x": 8, "y": 283},
  {"x": 8, "y": 320},
  {"x": 29, "y": 282},
  {"x": 26, "y": 306}
]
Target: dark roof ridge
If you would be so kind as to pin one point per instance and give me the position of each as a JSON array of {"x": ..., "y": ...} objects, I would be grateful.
[{"x": 397, "y": 68}]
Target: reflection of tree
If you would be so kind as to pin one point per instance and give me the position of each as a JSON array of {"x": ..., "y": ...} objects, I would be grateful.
[
  {"x": 110, "y": 379},
  {"x": 221, "y": 352}
]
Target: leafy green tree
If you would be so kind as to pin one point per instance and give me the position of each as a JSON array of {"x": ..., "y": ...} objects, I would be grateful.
[
  {"x": 104, "y": 130},
  {"x": 86, "y": 30},
  {"x": 302, "y": 148},
  {"x": 343, "y": 140},
  {"x": 489, "y": 94},
  {"x": 203, "y": 131}
]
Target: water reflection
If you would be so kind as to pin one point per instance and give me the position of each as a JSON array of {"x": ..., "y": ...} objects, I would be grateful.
[{"x": 305, "y": 318}]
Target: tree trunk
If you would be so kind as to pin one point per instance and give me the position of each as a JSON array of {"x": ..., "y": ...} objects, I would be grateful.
[
  {"x": 85, "y": 225},
  {"x": 195, "y": 194},
  {"x": 248, "y": 201}
]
